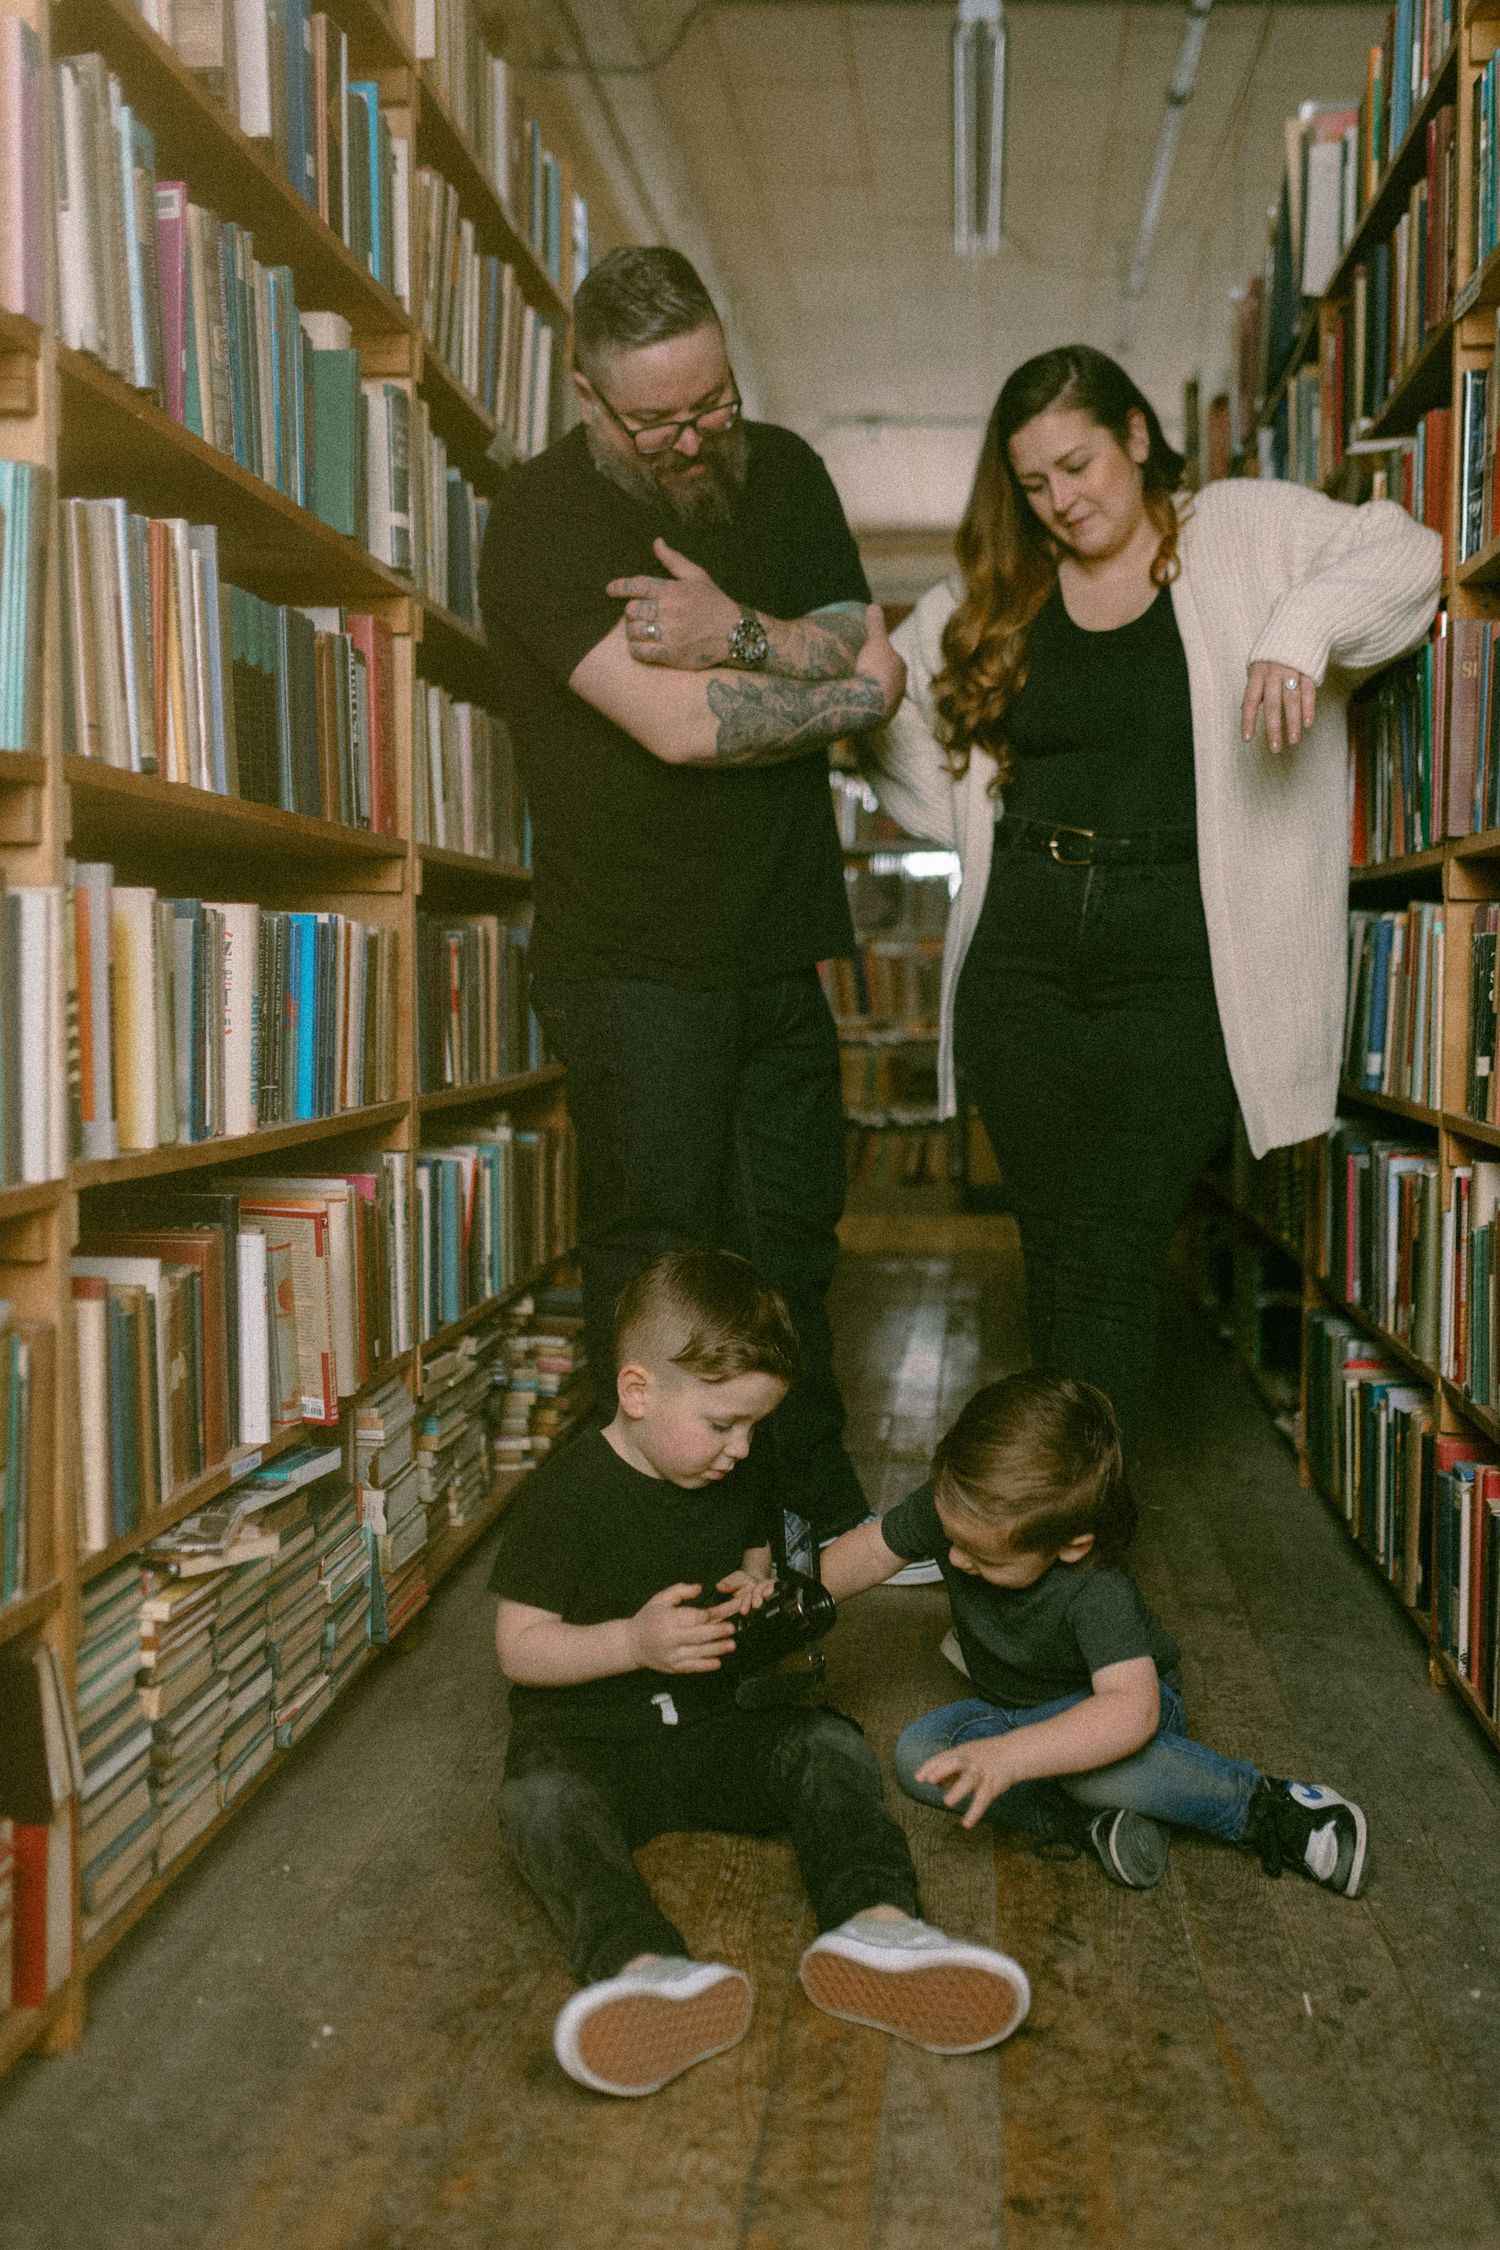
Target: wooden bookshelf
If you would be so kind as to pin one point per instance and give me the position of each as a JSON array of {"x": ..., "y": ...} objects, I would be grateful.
[{"x": 65, "y": 411}]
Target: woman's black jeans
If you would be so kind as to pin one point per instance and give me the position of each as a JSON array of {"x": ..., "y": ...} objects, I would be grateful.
[{"x": 1087, "y": 1034}]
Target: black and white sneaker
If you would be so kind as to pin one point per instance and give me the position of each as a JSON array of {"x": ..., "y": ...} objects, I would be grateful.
[{"x": 1308, "y": 1826}]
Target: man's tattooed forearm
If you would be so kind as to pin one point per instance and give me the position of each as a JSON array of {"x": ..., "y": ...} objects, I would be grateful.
[
  {"x": 823, "y": 646},
  {"x": 763, "y": 720}
]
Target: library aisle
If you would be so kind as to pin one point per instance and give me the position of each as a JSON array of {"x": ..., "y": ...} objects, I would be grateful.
[{"x": 333, "y": 2033}]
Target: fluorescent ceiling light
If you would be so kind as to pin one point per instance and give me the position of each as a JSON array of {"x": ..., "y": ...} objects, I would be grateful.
[{"x": 978, "y": 126}]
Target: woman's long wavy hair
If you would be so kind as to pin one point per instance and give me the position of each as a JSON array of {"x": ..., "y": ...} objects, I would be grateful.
[{"x": 1009, "y": 561}]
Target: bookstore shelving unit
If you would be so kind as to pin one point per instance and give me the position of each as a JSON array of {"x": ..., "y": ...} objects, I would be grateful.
[
  {"x": 1457, "y": 875},
  {"x": 68, "y": 414}
]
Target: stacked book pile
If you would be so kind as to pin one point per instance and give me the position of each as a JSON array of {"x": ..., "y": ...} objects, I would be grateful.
[
  {"x": 344, "y": 1580},
  {"x": 117, "y": 1813},
  {"x": 242, "y": 1657},
  {"x": 187, "y": 1701},
  {"x": 390, "y": 1507},
  {"x": 453, "y": 1461},
  {"x": 468, "y": 794},
  {"x": 539, "y": 1385}
]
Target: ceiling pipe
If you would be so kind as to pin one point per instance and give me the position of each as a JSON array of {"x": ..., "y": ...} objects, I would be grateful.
[{"x": 1179, "y": 94}]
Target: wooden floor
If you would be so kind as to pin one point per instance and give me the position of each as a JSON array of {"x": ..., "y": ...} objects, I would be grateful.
[{"x": 334, "y": 2034}]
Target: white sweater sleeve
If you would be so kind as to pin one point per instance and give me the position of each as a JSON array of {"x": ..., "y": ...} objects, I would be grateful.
[
  {"x": 904, "y": 762},
  {"x": 1360, "y": 586}
]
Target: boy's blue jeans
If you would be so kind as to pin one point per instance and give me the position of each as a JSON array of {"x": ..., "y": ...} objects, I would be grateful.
[{"x": 1173, "y": 1778}]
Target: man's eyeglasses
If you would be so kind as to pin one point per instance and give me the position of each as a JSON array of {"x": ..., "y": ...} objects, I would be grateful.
[{"x": 660, "y": 437}]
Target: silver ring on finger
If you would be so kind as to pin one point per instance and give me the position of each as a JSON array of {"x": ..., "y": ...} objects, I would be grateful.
[
  {"x": 651, "y": 632},
  {"x": 1293, "y": 682}
]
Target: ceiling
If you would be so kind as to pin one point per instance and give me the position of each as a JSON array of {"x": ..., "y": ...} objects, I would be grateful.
[{"x": 802, "y": 152}]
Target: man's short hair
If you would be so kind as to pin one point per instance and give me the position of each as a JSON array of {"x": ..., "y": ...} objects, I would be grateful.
[
  {"x": 709, "y": 1313},
  {"x": 633, "y": 298}
]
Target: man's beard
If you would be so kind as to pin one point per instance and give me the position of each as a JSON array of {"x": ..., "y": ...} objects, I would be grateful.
[{"x": 709, "y": 498}]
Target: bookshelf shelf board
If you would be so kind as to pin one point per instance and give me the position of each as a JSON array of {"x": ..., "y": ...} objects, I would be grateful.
[
  {"x": 22, "y": 769},
  {"x": 437, "y": 860},
  {"x": 1397, "y": 870},
  {"x": 1407, "y": 165},
  {"x": 20, "y": 365},
  {"x": 1481, "y": 569},
  {"x": 1485, "y": 1419},
  {"x": 1426, "y": 383},
  {"x": 19, "y": 336},
  {"x": 114, "y": 437},
  {"x": 147, "y": 1163},
  {"x": 21, "y": 2029},
  {"x": 493, "y": 1090},
  {"x": 194, "y": 1496},
  {"x": 1471, "y": 1128},
  {"x": 465, "y": 426},
  {"x": 478, "y": 1314},
  {"x": 1485, "y": 845},
  {"x": 24, "y": 1202},
  {"x": 198, "y": 141},
  {"x": 1418, "y": 1369},
  {"x": 29, "y": 1610},
  {"x": 442, "y": 142},
  {"x": 373, "y": 38},
  {"x": 441, "y": 624},
  {"x": 111, "y": 805},
  {"x": 1466, "y": 1692},
  {"x": 1415, "y": 1113}
]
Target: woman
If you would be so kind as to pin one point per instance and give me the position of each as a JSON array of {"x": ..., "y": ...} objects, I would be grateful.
[{"x": 1127, "y": 717}]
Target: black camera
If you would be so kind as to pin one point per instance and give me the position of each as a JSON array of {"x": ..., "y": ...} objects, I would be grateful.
[{"x": 798, "y": 1614}]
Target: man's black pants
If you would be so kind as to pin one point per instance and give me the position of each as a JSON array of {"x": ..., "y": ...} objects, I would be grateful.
[
  {"x": 573, "y": 1812},
  {"x": 715, "y": 1117}
]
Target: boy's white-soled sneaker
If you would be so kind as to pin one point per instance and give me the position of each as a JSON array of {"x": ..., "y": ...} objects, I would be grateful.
[
  {"x": 629, "y": 2034},
  {"x": 907, "y": 1978},
  {"x": 1306, "y": 1825}
]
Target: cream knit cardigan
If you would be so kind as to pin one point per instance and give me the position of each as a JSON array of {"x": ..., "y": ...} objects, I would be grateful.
[{"x": 1269, "y": 571}]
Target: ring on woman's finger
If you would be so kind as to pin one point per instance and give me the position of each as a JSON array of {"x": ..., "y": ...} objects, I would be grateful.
[{"x": 1293, "y": 682}]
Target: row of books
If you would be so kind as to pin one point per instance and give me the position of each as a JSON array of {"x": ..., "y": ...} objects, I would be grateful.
[
  {"x": 1275, "y": 1188},
  {"x": 27, "y": 1368},
  {"x": 539, "y": 1379},
  {"x": 474, "y": 1017},
  {"x": 1385, "y": 1243},
  {"x": 475, "y": 315},
  {"x": 1396, "y": 778},
  {"x": 897, "y": 986},
  {"x": 209, "y": 1321},
  {"x": 1393, "y": 1027},
  {"x": 467, "y": 795},
  {"x": 899, "y": 1155},
  {"x": 7, "y": 1911},
  {"x": 878, "y": 1076},
  {"x": 281, "y": 69},
  {"x": 473, "y": 83},
  {"x": 170, "y": 671},
  {"x": 1471, "y": 760},
  {"x": 492, "y": 1210},
  {"x": 1481, "y": 1098},
  {"x": 1479, "y": 477},
  {"x": 449, "y": 521},
  {"x": 201, "y": 1019},
  {"x": 25, "y": 517},
  {"x": 37, "y": 1133}
]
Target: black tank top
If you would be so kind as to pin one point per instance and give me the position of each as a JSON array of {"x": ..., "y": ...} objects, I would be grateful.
[{"x": 1102, "y": 732}]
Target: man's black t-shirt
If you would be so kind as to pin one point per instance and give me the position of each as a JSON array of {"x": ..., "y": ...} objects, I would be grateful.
[
  {"x": 1026, "y": 1645},
  {"x": 680, "y": 875},
  {"x": 591, "y": 1539}
]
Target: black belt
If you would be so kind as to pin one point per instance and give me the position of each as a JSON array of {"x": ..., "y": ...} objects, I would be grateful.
[{"x": 1084, "y": 847}]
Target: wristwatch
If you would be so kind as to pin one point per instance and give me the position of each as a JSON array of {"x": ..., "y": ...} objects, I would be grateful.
[{"x": 748, "y": 646}]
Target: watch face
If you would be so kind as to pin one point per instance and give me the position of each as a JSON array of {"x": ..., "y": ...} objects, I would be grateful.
[{"x": 747, "y": 642}]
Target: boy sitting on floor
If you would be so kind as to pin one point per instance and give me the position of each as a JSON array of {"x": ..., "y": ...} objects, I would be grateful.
[
  {"x": 1076, "y": 1725},
  {"x": 624, "y": 1723}
]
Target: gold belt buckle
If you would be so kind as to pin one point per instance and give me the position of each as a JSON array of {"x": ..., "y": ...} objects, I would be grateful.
[{"x": 1065, "y": 830}]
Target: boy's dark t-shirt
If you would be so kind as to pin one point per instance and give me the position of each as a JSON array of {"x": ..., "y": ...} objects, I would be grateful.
[
  {"x": 591, "y": 1539},
  {"x": 693, "y": 876},
  {"x": 1033, "y": 1644}
]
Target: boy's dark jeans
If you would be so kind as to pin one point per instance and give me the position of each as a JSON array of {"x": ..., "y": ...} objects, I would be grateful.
[
  {"x": 715, "y": 1116},
  {"x": 1087, "y": 1033},
  {"x": 573, "y": 1812}
]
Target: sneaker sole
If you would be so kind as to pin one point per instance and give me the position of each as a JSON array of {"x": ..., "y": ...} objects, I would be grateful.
[
  {"x": 1149, "y": 1853},
  {"x": 640, "y": 2041},
  {"x": 950, "y": 2008},
  {"x": 1359, "y": 1867}
]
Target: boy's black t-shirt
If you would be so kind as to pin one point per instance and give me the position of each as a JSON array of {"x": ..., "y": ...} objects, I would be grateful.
[
  {"x": 1034, "y": 1644},
  {"x": 693, "y": 876},
  {"x": 590, "y": 1539}
]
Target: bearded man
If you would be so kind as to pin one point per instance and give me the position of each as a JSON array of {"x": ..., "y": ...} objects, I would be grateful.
[{"x": 680, "y": 626}]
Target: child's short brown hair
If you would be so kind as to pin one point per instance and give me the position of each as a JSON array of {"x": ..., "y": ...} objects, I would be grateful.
[
  {"x": 708, "y": 1312},
  {"x": 1041, "y": 1455}
]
